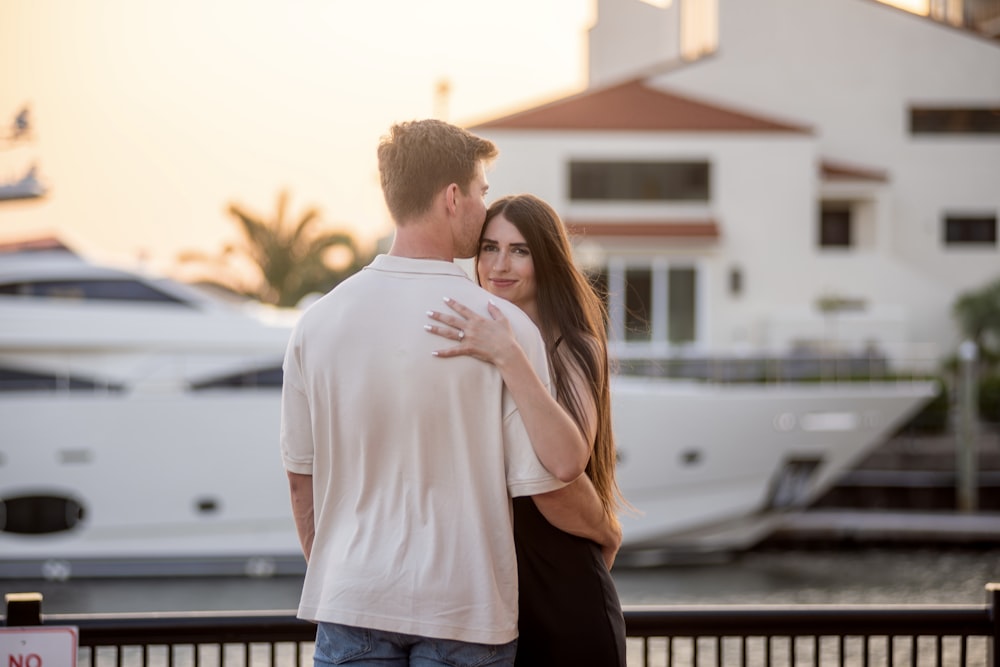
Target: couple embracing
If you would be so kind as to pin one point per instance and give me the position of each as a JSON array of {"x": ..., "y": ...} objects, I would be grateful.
[{"x": 448, "y": 445}]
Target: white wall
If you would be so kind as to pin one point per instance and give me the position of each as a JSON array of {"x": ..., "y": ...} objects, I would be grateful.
[
  {"x": 765, "y": 213},
  {"x": 629, "y": 37},
  {"x": 851, "y": 69}
]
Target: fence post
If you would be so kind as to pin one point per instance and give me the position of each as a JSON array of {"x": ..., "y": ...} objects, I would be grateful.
[
  {"x": 993, "y": 601},
  {"x": 23, "y": 609},
  {"x": 967, "y": 465}
]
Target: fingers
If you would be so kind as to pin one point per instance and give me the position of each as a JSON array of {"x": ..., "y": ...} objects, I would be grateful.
[
  {"x": 450, "y": 320},
  {"x": 495, "y": 312},
  {"x": 459, "y": 308},
  {"x": 464, "y": 317},
  {"x": 450, "y": 333}
]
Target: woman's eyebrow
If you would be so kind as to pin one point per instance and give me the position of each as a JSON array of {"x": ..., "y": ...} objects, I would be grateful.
[{"x": 516, "y": 244}]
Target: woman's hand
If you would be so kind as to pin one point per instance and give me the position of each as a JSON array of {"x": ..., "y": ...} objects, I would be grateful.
[
  {"x": 487, "y": 339},
  {"x": 610, "y": 547}
]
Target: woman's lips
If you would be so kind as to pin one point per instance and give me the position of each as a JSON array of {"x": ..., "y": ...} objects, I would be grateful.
[{"x": 501, "y": 283}]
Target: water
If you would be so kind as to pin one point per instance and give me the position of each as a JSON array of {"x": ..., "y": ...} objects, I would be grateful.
[{"x": 859, "y": 576}]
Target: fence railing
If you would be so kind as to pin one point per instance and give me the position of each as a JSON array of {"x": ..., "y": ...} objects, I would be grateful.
[{"x": 792, "y": 635}]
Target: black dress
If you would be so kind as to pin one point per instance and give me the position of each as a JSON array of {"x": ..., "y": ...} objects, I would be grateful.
[{"x": 569, "y": 612}]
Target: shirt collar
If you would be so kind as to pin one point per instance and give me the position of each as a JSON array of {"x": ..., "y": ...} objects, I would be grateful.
[{"x": 396, "y": 264}]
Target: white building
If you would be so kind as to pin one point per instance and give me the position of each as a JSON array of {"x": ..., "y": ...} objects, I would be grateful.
[{"x": 735, "y": 166}]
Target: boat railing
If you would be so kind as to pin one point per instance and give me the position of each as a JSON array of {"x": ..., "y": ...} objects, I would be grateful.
[
  {"x": 754, "y": 635},
  {"x": 801, "y": 367}
]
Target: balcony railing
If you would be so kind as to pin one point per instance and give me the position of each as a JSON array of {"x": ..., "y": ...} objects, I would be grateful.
[{"x": 667, "y": 636}]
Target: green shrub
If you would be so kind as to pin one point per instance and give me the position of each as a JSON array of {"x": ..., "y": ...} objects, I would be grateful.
[{"x": 989, "y": 398}]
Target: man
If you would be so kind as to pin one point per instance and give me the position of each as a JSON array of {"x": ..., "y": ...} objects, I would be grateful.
[{"x": 400, "y": 466}]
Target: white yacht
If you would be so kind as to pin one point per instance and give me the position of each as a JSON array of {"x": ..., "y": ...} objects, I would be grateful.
[
  {"x": 139, "y": 424},
  {"x": 27, "y": 187}
]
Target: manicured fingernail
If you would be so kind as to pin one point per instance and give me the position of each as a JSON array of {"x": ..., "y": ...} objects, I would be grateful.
[
  {"x": 434, "y": 353},
  {"x": 427, "y": 327},
  {"x": 430, "y": 313},
  {"x": 447, "y": 299}
]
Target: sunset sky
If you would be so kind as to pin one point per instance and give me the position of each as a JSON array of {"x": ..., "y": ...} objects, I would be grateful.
[{"x": 151, "y": 116}]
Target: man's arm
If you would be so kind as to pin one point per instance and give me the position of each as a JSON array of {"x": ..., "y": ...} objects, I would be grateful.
[
  {"x": 577, "y": 509},
  {"x": 301, "y": 488}
]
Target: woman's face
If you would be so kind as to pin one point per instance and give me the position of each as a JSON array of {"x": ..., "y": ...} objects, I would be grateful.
[{"x": 506, "y": 267}]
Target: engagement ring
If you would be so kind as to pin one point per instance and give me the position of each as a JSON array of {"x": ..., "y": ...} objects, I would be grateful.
[{"x": 461, "y": 335}]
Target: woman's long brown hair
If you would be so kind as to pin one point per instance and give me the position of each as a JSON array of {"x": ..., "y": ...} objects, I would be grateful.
[{"x": 569, "y": 307}]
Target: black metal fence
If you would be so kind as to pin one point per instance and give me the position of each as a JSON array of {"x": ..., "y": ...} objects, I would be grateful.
[{"x": 667, "y": 636}]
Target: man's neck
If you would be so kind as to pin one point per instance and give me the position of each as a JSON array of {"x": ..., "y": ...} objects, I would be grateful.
[{"x": 418, "y": 240}]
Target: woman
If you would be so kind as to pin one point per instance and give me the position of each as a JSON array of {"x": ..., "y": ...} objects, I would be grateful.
[{"x": 568, "y": 607}]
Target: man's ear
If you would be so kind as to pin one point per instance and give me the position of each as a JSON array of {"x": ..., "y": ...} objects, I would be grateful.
[{"x": 451, "y": 198}]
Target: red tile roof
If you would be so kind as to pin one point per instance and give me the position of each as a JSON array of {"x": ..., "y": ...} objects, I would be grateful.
[
  {"x": 42, "y": 243},
  {"x": 832, "y": 171},
  {"x": 634, "y": 105},
  {"x": 691, "y": 229}
]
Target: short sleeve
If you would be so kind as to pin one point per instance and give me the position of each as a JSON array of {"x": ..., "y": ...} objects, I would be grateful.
[
  {"x": 296, "y": 422},
  {"x": 526, "y": 476}
]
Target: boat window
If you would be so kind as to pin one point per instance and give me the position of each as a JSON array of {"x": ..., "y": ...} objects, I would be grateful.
[
  {"x": 99, "y": 290},
  {"x": 261, "y": 377},
  {"x": 40, "y": 515},
  {"x": 18, "y": 380}
]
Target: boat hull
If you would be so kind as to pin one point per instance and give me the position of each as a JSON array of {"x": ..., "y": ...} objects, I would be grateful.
[
  {"x": 192, "y": 483},
  {"x": 703, "y": 462}
]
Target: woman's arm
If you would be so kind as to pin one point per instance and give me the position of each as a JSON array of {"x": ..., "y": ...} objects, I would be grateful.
[
  {"x": 577, "y": 510},
  {"x": 558, "y": 442}
]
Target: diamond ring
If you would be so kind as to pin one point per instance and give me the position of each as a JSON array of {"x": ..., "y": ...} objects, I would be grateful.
[{"x": 461, "y": 334}]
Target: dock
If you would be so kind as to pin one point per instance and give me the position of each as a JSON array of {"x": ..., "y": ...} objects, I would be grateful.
[{"x": 904, "y": 493}]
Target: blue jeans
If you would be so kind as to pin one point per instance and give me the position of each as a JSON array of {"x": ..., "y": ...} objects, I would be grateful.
[{"x": 363, "y": 647}]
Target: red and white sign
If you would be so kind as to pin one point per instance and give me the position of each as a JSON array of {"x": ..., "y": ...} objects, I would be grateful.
[{"x": 38, "y": 646}]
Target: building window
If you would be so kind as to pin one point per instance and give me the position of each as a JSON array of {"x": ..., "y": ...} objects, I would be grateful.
[
  {"x": 681, "y": 305},
  {"x": 970, "y": 230},
  {"x": 835, "y": 226},
  {"x": 638, "y": 303},
  {"x": 735, "y": 281},
  {"x": 639, "y": 181},
  {"x": 955, "y": 121},
  {"x": 649, "y": 304}
]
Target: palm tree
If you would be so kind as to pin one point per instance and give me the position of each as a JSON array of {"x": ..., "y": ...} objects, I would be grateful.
[{"x": 289, "y": 260}]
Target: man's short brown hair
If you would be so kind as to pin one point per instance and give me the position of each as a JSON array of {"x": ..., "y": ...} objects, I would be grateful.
[{"x": 419, "y": 158}]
